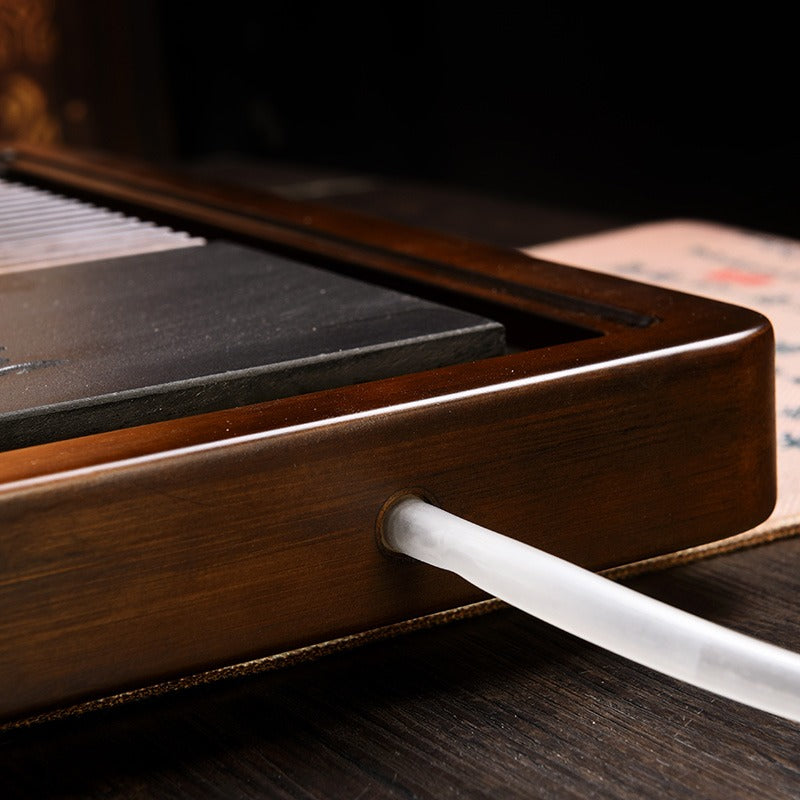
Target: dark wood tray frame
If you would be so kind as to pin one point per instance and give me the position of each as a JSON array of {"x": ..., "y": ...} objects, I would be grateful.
[{"x": 641, "y": 423}]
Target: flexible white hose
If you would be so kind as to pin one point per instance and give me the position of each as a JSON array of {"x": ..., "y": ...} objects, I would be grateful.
[{"x": 598, "y": 610}]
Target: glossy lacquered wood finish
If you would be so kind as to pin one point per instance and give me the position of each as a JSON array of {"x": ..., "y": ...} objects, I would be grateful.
[{"x": 152, "y": 552}]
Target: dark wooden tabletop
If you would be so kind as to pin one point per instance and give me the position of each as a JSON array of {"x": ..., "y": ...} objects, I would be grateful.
[{"x": 496, "y": 706}]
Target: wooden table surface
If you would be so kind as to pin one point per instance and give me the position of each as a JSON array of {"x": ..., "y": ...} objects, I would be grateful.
[{"x": 496, "y": 706}]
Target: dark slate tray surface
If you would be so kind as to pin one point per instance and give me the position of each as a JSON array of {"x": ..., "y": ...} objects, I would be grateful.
[{"x": 106, "y": 344}]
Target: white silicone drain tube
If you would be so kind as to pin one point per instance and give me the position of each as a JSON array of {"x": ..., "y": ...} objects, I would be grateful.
[{"x": 598, "y": 610}]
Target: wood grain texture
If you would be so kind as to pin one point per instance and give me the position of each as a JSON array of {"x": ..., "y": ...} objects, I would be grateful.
[
  {"x": 142, "y": 554},
  {"x": 501, "y": 706}
]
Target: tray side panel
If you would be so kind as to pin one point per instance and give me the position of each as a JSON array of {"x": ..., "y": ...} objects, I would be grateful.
[{"x": 140, "y": 572}]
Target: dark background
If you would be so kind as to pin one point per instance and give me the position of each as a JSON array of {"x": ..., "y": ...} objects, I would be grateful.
[
  {"x": 657, "y": 112},
  {"x": 647, "y": 115}
]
